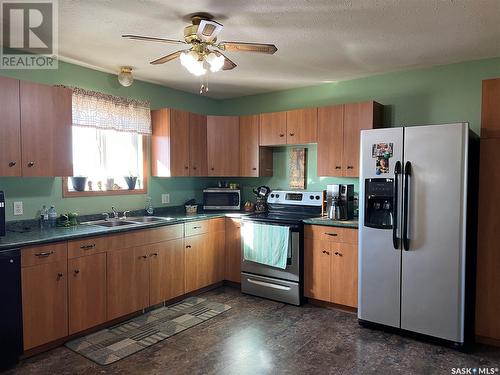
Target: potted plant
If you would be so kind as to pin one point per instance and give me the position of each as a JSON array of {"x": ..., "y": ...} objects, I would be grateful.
[{"x": 79, "y": 183}]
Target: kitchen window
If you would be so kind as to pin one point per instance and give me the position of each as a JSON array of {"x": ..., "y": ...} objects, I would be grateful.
[{"x": 109, "y": 145}]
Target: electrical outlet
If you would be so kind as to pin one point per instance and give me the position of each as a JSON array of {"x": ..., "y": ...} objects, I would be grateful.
[
  {"x": 165, "y": 198},
  {"x": 18, "y": 208}
]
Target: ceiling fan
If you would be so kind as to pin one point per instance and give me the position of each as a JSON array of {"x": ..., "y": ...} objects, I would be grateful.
[{"x": 203, "y": 51}]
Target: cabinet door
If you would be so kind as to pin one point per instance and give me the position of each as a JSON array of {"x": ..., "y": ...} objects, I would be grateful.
[
  {"x": 167, "y": 270},
  {"x": 345, "y": 274},
  {"x": 197, "y": 145},
  {"x": 195, "y": 246},
  {"x": 170, "y": 143},
  {"x": 127, "y": 281},
  {"x": 45, "y": 303},
  {"x": 488, "y": 254},
  {"x": 490, "y": 109},
  {"x": 10, "y": 129},
  {"x": 249, "y": 146},
  {"x": 179, "y": 144},
  {"x": 302, "y": 126},
  {"x": 317, "y": 269},
  {"x": 357, "y": 117},
  {"x": 330, "y": 140},
  {"x": 272, "y": 129},
  {"x": 233, "y": 250},
  {"x": 86, "y": 292},
  {"x": 212, "y": 258},
  {"x": 223, "y": 134},
  {"x": 46, "y": 121}
]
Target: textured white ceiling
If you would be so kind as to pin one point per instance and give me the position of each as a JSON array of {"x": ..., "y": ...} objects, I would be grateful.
[{"x": 318, "y": 41}]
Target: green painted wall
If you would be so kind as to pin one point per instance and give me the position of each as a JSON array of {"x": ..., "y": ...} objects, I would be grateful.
[{"x": 424, "y": 96}]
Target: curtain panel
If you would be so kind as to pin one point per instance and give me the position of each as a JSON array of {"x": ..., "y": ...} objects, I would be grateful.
[{"x": 103, "y": 111}]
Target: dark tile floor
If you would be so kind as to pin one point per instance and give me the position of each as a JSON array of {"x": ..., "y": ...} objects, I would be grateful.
[{"x": 258, "y": 336}]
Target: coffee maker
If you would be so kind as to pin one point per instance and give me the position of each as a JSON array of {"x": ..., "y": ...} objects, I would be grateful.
[
  {"x": 2, "y": 214},
  {"x": 340, "y": 201},
  {"x": 379, "y": 203}
]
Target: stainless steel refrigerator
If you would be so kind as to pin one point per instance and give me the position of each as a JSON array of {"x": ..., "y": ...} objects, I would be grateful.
[{"x": 417, "y": 229}]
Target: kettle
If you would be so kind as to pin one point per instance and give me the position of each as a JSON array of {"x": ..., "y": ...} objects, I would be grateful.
[{"x": 262, "y": 191}]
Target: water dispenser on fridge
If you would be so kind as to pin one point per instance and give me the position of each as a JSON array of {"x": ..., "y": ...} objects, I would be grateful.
[{"x": 378, "y": 203}]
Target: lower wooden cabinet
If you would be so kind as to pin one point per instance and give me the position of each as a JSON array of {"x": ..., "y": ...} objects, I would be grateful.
[
  {"x": 167, "y": 262},
  {"x": 86, "y": 292},
  {"x": 127, "y": 281},
  {"x": 195, "y": 248},
  {"x": 232, "y": 271},
  {"x": 331, "y": 265},
  {"x": 45, "y": 303}
]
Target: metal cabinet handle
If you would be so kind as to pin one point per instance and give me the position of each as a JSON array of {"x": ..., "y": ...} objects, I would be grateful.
[
  {"x": 77, "y": 272},
  {"x": 144, "y": 256},
  {"x": 331, "y": 234},
  {"x": 12, "y": 163},
  {"x": 60, "y": 275},
  {"x": 86, "y": 247},
  {"x": 350, "y": 167},
  {"x": 194, "y": 168},
  {"x": 44, "y": 255},
  {"x": 326, "y": 252},
  {"x": 338, "y": 167},
  {"x": 292, "y": 134},
  {"x": 212, "y": 168},
  {"x": 254, "y": 169},
  {"x": 31, "y": 163},
  {"x": 153, "y": 254},
  {"x": 282, "y": 135},
  {"x": 186, "y": 167},
  {"x": 188, "y": 246},
  {"x": 196, "y": 227}
]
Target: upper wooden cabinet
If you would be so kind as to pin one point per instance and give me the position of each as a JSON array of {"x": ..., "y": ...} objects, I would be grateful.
[
  {"x": 10, "y": 150},
  {"x": 255, "y": 161},
  {"x": 490, "y": 109},
  {"x": 178, "y": 143},
  {"x": 36, "y": 129},
  {"x": 198, "y": 145},
  {"x": 302, "y": 126},
  {"x": 292, "y": 127},
  {"x": 339, "y": 129},
  {"x": 223, "y": 134},
  {"x": 273, "y": 129}
]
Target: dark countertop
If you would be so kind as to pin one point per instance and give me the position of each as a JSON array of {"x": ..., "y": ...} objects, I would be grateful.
[
  {"x": 332, "y": 223},
  {"x": 36, "y": 236}
]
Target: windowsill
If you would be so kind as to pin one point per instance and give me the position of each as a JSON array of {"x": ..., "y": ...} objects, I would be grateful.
[{"x": 66, "y": 193}]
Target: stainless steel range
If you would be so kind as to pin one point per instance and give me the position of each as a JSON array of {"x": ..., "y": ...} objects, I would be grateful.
[{"x": 288, "y": 209}]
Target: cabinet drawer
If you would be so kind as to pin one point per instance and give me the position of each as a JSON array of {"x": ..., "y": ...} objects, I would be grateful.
[
  {"x": 145, "y": 237},
  {"x": 333, "y": 234},
  {"x": 31, "y": 256},
  {"x": 196, "y": 227},
  {"x": 87, "y": 246}
]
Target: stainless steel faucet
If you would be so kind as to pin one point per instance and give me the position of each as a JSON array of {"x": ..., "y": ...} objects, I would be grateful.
[
  {"x": 106, "y": 216},
  {"x": 115, "y": 214},
  {"x": 125, "y": 214}
]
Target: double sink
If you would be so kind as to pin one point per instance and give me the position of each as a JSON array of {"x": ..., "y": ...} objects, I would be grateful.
[{"x": 111, "y": 223}]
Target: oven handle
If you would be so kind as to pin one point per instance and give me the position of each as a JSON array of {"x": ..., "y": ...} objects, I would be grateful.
[
  {"x": 293, "y": 228},
  {"x": 269, "y": 285}
]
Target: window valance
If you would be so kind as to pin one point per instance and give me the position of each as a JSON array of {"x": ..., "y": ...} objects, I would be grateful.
[{"x": 103, "y": 111}]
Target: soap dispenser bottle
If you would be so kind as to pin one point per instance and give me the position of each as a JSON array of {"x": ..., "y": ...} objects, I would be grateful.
[{"x": 149, "y": 206}]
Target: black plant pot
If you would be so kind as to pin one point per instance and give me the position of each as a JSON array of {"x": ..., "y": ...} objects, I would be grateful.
[
  {"x": 79, "y": 183},
  {"x": 131, "y": 181}
]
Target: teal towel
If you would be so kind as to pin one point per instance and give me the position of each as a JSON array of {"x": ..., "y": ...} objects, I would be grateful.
[{"x": 266, "y": 244}]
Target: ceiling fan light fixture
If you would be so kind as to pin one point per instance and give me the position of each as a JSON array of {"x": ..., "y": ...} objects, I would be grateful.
[
  {"x": 125, "y": 76},
  {"x": 190, "y": 60},
  {"x": 215, "y": 61}
]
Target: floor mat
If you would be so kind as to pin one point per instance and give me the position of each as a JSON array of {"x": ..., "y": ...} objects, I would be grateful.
[{"x": 112, "y": 344}]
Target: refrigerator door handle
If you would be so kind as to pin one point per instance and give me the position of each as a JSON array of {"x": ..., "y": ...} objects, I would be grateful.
[
  {"x": 407, "y": 173},
  {"x": 395, "y": 198}
]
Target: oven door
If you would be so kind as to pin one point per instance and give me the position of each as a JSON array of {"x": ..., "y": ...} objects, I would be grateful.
[{"x": 292, "y": 270}]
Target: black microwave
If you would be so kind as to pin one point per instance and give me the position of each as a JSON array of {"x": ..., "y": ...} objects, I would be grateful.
[{"x": 221, "y": 199}]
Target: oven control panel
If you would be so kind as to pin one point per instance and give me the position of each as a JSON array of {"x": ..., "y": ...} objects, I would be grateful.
[{"x": 304, "y": 198}]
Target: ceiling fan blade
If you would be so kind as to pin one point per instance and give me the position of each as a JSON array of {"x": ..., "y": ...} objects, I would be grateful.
[
  {"x": 153, "y": 39},
  {"x": 167, "y": 58},
  {"x": 228, "y": 64},
  {"x": 248, "y": 47},
  {"x": 208, "y": 30}
]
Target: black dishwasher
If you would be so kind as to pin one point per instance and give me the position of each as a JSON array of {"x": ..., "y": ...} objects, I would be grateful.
[{"x": 11, "y": 326}]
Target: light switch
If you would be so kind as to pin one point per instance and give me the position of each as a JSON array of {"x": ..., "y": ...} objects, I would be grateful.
[
  {"x": 18, "y": 208},
  {"x": 165, "y": 198}
]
